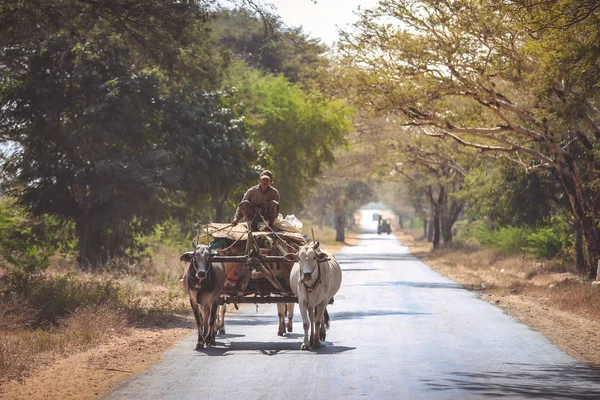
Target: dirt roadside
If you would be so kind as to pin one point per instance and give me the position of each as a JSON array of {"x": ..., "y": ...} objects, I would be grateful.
[{"x": 91, "y": 373}]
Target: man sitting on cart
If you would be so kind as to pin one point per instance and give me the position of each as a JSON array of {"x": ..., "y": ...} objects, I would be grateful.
[{"x": 261, "y": 199}]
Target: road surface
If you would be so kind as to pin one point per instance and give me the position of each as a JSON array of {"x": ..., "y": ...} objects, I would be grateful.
[{"x": 398, "y": 331}]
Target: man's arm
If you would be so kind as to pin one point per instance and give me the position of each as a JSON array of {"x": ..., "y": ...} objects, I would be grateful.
[{"x": 238, "y": 212}]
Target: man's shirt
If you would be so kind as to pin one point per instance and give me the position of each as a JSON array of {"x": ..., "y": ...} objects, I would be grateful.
[{"x": 258, "y": 199}]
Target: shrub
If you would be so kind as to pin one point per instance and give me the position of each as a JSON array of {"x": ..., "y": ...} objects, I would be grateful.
[
  {"x": 508, "y": 240},
  {"x": 547, "y": 242},
  {"x": 57, "y": 296}
]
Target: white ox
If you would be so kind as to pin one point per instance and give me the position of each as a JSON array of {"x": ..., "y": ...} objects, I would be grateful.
[{"x": 315, "y": 279}]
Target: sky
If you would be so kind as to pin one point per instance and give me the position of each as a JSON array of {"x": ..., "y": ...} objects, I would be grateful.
[{"x": 321, "y": 20}]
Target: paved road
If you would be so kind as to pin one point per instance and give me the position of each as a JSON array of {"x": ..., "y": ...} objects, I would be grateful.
[{"x": 398, "y": 331}]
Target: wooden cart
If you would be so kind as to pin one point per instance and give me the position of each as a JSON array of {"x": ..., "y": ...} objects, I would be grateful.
[{"x": 261, "y": 261}]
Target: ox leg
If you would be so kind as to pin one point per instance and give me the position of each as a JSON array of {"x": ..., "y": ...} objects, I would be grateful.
[
  {"x": 325, "y": 325},
  {"x": 212, "y": 316},
  {"x": 281, "y": 315},
  {"x": 321, "y": 322},
  {"x": 200, "y": 343},
  {"x": 305, "y": 325},
  {"x": 290, "y": 314},
  {"x": 220, "y": 325},
  {"x": 205, "y": 314},
  {"x": 311, "y": 317},
  {"x": 318, "y": 322}
]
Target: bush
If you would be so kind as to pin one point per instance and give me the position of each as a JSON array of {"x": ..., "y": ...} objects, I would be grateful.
[
  {"x": 508, "y": 240},
  {"x": 57, "y": 296},
  {"x": 547, "y": 242},
  {"x": 539, "y": 243},
  {"x": 20, "y": 245}
]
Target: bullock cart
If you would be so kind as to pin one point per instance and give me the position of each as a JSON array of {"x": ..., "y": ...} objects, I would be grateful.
[{"x": 261, "y": 263}]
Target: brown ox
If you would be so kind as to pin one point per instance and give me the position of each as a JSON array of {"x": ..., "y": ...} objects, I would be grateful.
[{"x": 203, "y": 281}]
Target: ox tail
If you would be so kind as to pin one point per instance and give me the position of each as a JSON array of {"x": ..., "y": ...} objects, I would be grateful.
[{"x": 326, "y": 319}]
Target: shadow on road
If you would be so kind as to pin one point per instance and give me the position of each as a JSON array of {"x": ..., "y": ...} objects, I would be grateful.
[
  {"x": 365, "y": 258},
  {"x": 253, "y": 321},
  {"x": 425, "y": 285},
  {"x": 269, "y": 348},
  {"x": 337, "y": 316},
  {"x": 568, "y": 381},
  {"x": 342, "y": 315},
  {"x": 359, "y": 269}
]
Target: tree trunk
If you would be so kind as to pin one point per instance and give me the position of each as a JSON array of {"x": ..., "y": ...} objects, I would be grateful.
[
  {"x": 579, "y": 247},
  {"x": 447, "y": 232},
  {"x": 218, "y": 211},
  {"x": 431, "y": 230},
  {"x": 425, "y": 226},
  {"x": 583, "y": 212},
  {"x": 436, "y": 230},
  {"x": 451, "y": 212},
  {"x": 340, "y": 222},
  {"x": 92, "y": 253},
  {"x": 400, "y": 221}
]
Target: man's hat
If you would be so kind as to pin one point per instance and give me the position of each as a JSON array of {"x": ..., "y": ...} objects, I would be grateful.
[{"x": 267, "y": 174}]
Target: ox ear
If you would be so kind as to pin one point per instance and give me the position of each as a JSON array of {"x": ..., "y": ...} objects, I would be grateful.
[
  {"x": 316, "y": 245},
  {"x": 290, "y": 257},
  {"x": 187, "y": 256},
  {"x": 322, "y": 257}
]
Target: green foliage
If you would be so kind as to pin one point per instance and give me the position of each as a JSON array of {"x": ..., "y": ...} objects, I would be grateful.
[
  {"x": 549, "y": 241},
  {"x": 506, "y": 195},
  {"x": 26, "y": 241},
  {"x": 111, "y": 117},
  {"x": 167, "y": 235},
  {"x": 543, "y": 242},
  {"x": 515, "y": 79},
  {"x": 116, "y": 124},
  {"x": 509, "y": 240},
  {"x": 269, "y": 45},
  {"x": 297, "y": 130}
]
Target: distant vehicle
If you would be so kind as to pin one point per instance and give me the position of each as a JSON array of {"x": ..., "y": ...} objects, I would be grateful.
[
  {"x": 376, "y": 216},
  {"x": 384, "y": 226}
]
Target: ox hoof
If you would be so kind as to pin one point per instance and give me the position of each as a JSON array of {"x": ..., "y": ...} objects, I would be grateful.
[
  {"x": 199, "y": 346},
  {"x": 280, "y": 333},
  {"x": 304, "y": 346},
  {"x": 290, "y": 329},
  {"x": 221, "y": 332}
]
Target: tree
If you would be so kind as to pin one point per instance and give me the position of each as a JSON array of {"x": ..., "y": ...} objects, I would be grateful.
[
  {"x": 296, "y": 131},
  {"x": 268, "y": 45},
  {"x": 97, "y": 103},
  {"x": 498, "y": 78}
]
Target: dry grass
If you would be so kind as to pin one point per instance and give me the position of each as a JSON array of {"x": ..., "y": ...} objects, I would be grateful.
[
  {"x": 139, "y": 295},
  {"x": 326, "y": 235},
  {"x": 22, "y": 348}
]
